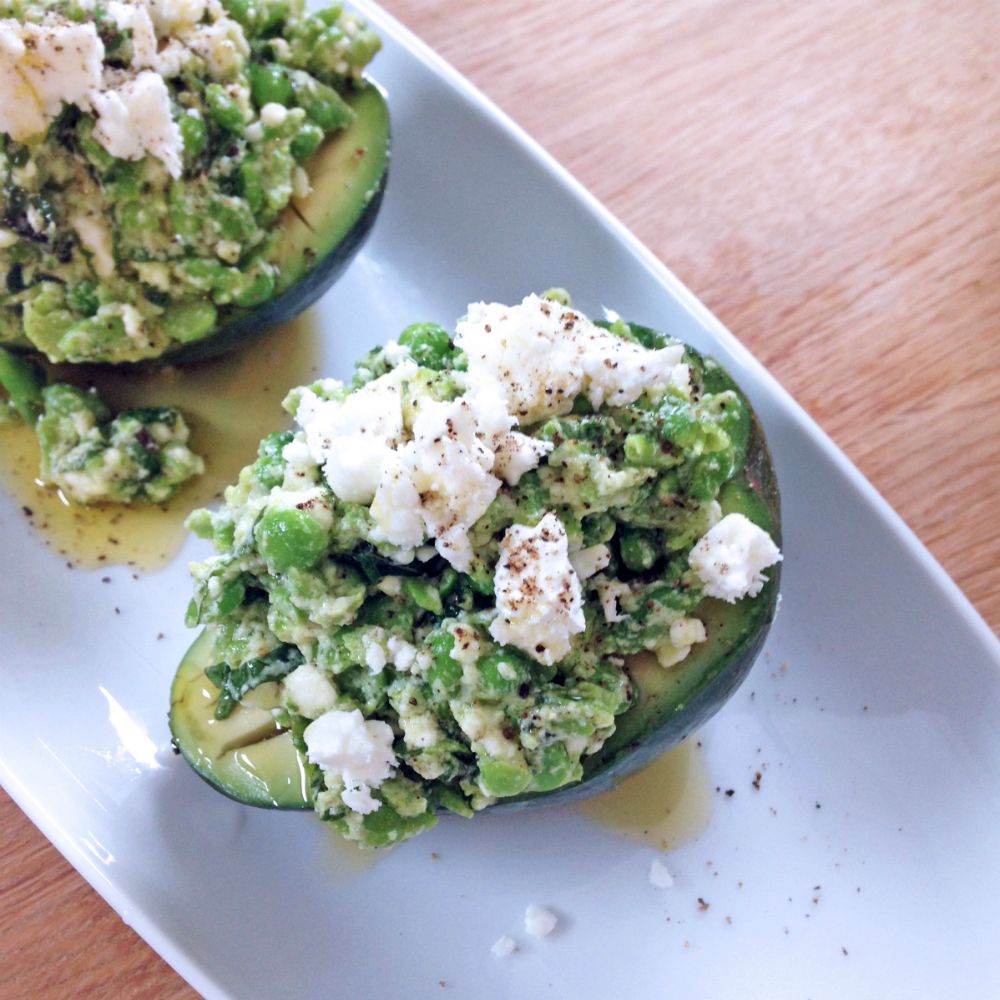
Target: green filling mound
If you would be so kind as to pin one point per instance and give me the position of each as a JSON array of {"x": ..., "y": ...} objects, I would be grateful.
[
  {"x": 114, "y": 258},
  {"x": 405, "y": 630}
]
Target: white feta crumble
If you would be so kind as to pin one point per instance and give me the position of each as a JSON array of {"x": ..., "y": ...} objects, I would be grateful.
[
  {"x": 587, "y": 562},
  {"x": 310, "y": 691},
  {"x": 538, "y": 598},
  {"x": 504, "y": 946},
  {"x": 135, "y": 119},
  {"x": 659, "y": 875},
  {"x": 374, "y": 650},
  {"x": 392, "y": 586},
  {"x": 42, "y": 66},
  {"x": 352, "y": 439},
  {"x": 539, "y": 355},
  {"x": 357, "y": 752},
  {"x": 684, "y": 633},
  {"x": 538, "y": 921},
  {"x": 731, "y": 557},
  {"x": 273, "y": 115},
  {"x": 609, "y": 593},
  {"x": 515, "y": 454}
]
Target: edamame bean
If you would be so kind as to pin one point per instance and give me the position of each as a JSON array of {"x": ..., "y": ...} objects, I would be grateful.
[
  {"x": 503, "y": 778},
  {"x": 289, "y": 538},
  {"x": 189, "y": 320},
  {"x": 271, "y": 83},
  {"x": 429, "y": 345}
]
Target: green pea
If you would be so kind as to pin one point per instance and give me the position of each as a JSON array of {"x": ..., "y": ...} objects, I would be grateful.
[
  {"x": 597, "y": 529},
  {"x": 252, "y": 184},
  {"x": 557, "y": 769},
  {"x": 243, "y": 11},
  {"x": 362, "y": 48},
  {"x": 306, "y": 141},
  {"x": 326, "y": 107},
  {"x": 449, "y": 582},
  {"x": 223, "y": 109},
  {"x": 233, "y": 217},
  {"x": 271, "y": 83},
  {"x": 289, "y": 538},
  {"x": 445, "y": 673},
  {"x": 502, "y": 672},
  {"x": 270, "y": 465},
  {"x": 424, "y": 594},
  {"x": 134, "y": 216},
  {"x": 429, "y": 344},
  {"x": 638, "y": 549},
  {"x": 259, "y": 289},
  {"x": 503, "y": 777},
  {"x": 194, "y": 133},
  {"x": 23, "y": 381},
  {"x": 330, "y": 15},
  {"x": 189, "y": 320},
  {"x": 82, "y": 298}
]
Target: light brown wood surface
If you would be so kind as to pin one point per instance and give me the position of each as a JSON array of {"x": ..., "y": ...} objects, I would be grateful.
[{"x": 826, "y": 177}]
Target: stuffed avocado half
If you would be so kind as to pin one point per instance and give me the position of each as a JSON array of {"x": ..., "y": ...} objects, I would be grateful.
[
  {"x": 498, "y": 567},
  {"x": 179, "y": 175}
]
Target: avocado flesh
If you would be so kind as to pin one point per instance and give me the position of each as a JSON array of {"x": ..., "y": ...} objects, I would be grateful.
[
  {"x": 670, "y": 703},
  {"x": 247, "y": 755}
]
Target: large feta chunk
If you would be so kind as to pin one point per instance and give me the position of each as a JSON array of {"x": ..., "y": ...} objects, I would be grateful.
[
  {"x": 41, "y": 67},
  {"x": 540, "y": 355},
  {"x": 353, "y": 438},
  {"x": 539, "y": 604},
  {"x": 308, "y": 689},
  {"x": 357, "y": 752},
  {"x": 135, "y": 119},
  {"x": 731, "y": 557}
]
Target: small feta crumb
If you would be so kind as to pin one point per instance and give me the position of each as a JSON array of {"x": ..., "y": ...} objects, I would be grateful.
[
  {"x": 273, "y": 115},
  {"x": 609, "y": 593},
  {"x": 538, "y": 921},
  {"x": 538, "y": 598},
  {"x": 659, "y": 875},
  {"x": 254, "y": 132},
  {"x": 375, "y": 657},
  {"x": 308, "y": 689},
  {"x": 684, "y": 633},
  {"x": 589, "y": 561},
  {"x": 357, "y": 752},
  {"x": 731, "y": 557},
  {"x": 504, "y": 946},
  {"x": 228, "y": 250},
  {"x": 392, "y": 586}
]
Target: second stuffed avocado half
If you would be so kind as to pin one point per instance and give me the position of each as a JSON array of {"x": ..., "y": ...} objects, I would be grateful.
[
  {"x": 502, "y": 566},
  {"x": 209, "y": 173}
]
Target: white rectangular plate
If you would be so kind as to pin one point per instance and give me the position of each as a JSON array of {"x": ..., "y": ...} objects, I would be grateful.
[{"x": 865, "y": 865}]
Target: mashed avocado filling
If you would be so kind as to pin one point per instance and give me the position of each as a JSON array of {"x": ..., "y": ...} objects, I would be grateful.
[
  {"x": 147, "y": 148},
  {"x": 446, "y": 565},
  {"x": 89, "y": 454}
]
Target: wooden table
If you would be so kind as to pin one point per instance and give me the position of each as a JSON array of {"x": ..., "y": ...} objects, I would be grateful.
[{"x": 825, "y": 177}]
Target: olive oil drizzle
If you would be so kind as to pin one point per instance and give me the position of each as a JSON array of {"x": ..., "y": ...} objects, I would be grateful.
[
  {"x": 230, "y": 404},
  {"x": 666, "y": 804}
]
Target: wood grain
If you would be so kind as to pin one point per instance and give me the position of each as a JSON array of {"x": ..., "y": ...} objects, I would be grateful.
[{"x": 825, "y": 177}]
